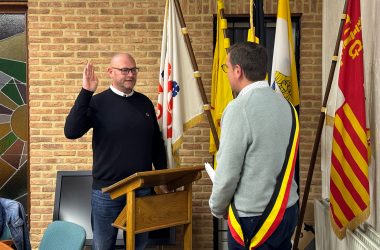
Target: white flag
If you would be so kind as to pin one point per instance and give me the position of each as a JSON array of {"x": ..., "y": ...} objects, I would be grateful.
[{"x": 180, "y": 104}]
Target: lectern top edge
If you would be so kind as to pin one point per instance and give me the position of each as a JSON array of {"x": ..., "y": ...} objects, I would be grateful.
[{"x": 154, "y": 178}]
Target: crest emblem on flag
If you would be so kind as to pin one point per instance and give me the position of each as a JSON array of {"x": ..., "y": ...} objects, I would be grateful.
[
  {"x": 284, "y": 73},
  {"x": 173, "y": 89},
  {"x": 284, "y": 83}
]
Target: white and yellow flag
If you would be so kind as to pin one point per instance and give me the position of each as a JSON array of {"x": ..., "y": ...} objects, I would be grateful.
[
  {"x": 179, "y": 104},
  {"x": 284, "y": 72}
]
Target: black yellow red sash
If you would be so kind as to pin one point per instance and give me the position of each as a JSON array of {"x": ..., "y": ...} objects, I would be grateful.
[{"x": 274, "y": 211}]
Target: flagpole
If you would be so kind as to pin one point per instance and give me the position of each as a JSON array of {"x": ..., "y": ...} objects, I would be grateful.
[
  {"x": 319, "y": 129},
  {"x": 196, "y": 72}
]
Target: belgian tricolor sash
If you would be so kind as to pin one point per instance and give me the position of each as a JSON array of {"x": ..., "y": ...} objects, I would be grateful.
[{"x": 274, "y": 211}]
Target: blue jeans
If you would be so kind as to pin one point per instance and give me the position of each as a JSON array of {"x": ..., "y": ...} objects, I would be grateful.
[
  {"x": 281, "y": 237},
  {"x": 104, "y": 213}
]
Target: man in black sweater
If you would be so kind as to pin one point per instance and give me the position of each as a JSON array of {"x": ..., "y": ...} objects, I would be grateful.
[{"x": 126, "y": 139}]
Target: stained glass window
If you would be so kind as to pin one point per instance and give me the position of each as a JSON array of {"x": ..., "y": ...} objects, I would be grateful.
[{"x": 13, "y": 108}]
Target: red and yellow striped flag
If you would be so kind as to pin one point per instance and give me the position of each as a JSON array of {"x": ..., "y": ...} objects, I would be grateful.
[{"x": 349, "y": 186}]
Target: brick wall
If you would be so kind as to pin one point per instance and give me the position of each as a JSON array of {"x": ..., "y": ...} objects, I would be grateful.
[{"x": 64, "y": 35}]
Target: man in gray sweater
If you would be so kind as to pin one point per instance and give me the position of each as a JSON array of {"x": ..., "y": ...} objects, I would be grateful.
[{"x": 254, "y": 184}]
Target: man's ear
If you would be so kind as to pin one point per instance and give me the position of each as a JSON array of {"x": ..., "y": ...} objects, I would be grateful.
[{"x": 239, "y": 72}]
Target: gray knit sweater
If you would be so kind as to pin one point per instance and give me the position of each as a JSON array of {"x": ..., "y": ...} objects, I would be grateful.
[{"x": 256, "y": 127}]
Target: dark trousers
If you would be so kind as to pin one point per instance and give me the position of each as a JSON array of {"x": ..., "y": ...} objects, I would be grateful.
[
  {"x": 281, "y": 237},
  {"x": 104, "y": 212}
]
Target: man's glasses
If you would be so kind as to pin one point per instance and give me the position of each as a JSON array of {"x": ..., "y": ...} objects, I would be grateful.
[
  {"x": 224, "y": 68},
  {"x": 125, "y": 71}
]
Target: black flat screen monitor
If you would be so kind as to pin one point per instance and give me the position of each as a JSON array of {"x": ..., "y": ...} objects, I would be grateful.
[{"x": 73, "y": 203}]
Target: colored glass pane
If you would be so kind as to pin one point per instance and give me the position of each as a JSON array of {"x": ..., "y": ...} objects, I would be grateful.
[
  {"x": 11, "y": 91},
  {"x": 7, "y": 102},
  {"x": 22, "y": 91},
  {"x": 5, "y": 118},
  {"x": 13, "y": 108},
  {"x": 6, "y": 172},
  {"x": 14, "y": 48},
  {"x": 13, "y": 154},
  {"x": 24, "y": 155},
  {"x": 14, "y": 69},
  {"x": 4, "y": 78},
  {"x": 6, "y": 142},
  {"x": 5, "y": 128},
  {"x": 5, "y": 110},
  {"x": 19, "y": 122},
  {"x": 17, "y": 185}
]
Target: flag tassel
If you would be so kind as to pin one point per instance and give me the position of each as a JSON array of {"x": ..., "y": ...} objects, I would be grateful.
[
  {"x": 221, "y": 13},
  {"x": 318, "y": 134},
  {"x": 352, "y": 225}
]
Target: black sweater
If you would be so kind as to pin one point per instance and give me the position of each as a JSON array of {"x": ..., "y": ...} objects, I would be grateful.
[{"x": 126, "y": 137}]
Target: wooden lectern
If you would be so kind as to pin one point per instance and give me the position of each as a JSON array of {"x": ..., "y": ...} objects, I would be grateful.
[{"x": 143, "y": 214}]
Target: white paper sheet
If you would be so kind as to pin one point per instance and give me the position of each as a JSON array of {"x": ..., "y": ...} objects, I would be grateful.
[{"x": 210, "y": 171}]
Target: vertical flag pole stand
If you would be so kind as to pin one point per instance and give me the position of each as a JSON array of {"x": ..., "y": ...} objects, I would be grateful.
[
  {"x": 319, "y": 130},
  {"x": 196, "y": 72}
]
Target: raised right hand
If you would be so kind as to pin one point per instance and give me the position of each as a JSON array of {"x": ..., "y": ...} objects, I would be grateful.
[{"x": 90, "y": 81}]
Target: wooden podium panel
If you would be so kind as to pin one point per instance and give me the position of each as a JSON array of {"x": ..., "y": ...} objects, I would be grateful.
[
  {"x": 160, "y": 211},
  {"x": 143, "y": 214}
]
